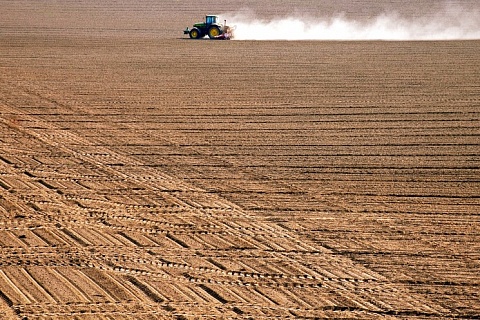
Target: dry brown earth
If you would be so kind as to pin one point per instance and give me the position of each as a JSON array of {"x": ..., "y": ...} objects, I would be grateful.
[{"x": 153, "y": 177}]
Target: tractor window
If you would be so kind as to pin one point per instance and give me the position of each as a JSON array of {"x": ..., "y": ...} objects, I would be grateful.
[{"x": 211, "y": 19}]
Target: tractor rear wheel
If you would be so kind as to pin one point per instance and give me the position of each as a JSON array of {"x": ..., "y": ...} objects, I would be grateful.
[
  {"x": 213, "y": 32},
  {"x": 195, "y": 33}
]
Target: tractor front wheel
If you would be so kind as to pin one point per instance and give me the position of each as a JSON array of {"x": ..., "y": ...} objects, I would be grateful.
[
  {"x": 213, "y": 32},
  {"x": 194, "y": 33}
]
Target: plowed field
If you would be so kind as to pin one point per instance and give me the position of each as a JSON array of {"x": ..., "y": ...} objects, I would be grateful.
[{"x": 145, "y": 176}]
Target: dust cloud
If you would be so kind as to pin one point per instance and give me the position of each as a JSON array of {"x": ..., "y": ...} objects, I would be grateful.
[{"x": 451, "y": 24}]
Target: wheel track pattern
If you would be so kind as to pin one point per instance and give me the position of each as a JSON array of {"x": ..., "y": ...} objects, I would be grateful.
[
  {"x": 185, "y": 278},
  {"x": 105, "y": 265}
]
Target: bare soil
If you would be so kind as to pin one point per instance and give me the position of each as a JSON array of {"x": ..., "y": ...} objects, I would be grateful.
[{"x": 147, "y": 177}]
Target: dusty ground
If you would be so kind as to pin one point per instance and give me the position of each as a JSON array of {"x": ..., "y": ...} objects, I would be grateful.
[{"x": 149, "y": 177}]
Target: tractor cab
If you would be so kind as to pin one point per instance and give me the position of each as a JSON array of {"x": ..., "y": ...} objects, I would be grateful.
[{"x": 210, "y": 19}]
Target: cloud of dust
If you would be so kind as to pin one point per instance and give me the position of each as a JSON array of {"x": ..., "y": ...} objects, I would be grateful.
[{"x": 451, "y": 24}]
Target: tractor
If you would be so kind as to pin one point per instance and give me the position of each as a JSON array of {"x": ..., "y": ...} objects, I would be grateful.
[{"x": 210, "y": 27}]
